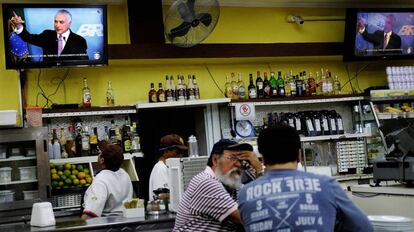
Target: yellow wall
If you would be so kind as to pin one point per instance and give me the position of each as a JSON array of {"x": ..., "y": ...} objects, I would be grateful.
[{"x": 131, "y": 78}]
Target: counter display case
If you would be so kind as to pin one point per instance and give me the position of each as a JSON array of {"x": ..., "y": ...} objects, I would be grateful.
[{"x": 24, "y": 170}]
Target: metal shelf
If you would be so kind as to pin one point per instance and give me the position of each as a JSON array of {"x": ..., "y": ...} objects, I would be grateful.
[
  {"x": 334, "y": 137},
  {"x": 19, "y": 182},
  {"x": 91, "y": 159},
  {"x": 300, "y": 100},
  {"x": 383, "y": 116},
  {"x": 17, "y": 158},
  {"x": 390, "y": 99},
  {"x": 200, "y": 102},
  {"x": 94, "y": 111}
]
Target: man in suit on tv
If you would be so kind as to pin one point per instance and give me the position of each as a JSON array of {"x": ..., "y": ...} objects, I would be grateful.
[
  {"x": 384, "y": 41},
  {"x": 58, "y": 44}
]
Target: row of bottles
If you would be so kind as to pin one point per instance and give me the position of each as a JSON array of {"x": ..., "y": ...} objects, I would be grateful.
[
  {"x": 87, "y": 97},
  {"x": 79, "y": 140},
  {"x": 288, "y": 85},
  {"x": 172, "y": 92},
  {"x": 308, "y": 123}
]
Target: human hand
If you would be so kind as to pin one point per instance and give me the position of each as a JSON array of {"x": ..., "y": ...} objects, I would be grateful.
[
  {"x": 251, "y": 157},
  {"x": 16, "y": 20}
]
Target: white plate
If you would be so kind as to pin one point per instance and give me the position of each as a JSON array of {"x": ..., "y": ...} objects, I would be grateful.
[{"x": 388, "y": 218}]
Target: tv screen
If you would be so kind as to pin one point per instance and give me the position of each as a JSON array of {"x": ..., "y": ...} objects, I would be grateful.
[
  {"x": 50, "y": 35},
  {"x": 377, "y": 34}
]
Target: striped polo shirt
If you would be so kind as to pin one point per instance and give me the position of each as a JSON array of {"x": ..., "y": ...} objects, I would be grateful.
[{"x": 205, "y": 205}]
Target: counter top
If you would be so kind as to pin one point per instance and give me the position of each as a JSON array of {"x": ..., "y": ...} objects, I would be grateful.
[
  {"x": 150, "y": 222},
  {"x": 391, "y": 189}
]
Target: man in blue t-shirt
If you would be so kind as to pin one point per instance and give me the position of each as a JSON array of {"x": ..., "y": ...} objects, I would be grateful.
[{"x": 286, "y": 199}]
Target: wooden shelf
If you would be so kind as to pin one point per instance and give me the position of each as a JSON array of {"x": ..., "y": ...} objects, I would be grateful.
[
  {"x": 301, "y": 100},
  {"x": 50, "y": 113},
  {"x": 200, "y": 102}
]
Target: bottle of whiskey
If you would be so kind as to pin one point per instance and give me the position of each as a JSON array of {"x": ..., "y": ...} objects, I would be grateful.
[
  {"x": 126, "y": 140},
  {"x": 152, "y": 94},
  {"x": 299, "y": 85},
  {"x": 242, "y": 88},
  {"x": 86, "y": 94},
  {"x": 228, "y": 91},
  {"x": 273, "y": 85},
  {"x": 196, "y": 89},
  {"x": 337, "y": 86},
  {"x": 110, "y": 97},
  {"x": 168, "y": 91},
  {"x": 329, "y": 81},
  {"x": 318, "y": 81},
  {"x": 135, "y": 146},
  {"x": 292, "y": 85},
  {"x": 259, "y": 86},
  {"x": 160, "y": 93},
  {"x": 85, "y": 142},
  {"x": 190, "y": 89},
  {"x": 266, "y": 86},
  {"x": 305, "y": 86},
  {"x": 173, "y": 88},
  {"x": 234, "y": 87},
  {"x": 252, "y": 89},
  {"x": 288, "y": 89},
  {"x": 93, "y": 141},
  {"x": 281, "y": 92},
  {"x": 311, "y": 85},
  {"x": 181, "y": 89}
]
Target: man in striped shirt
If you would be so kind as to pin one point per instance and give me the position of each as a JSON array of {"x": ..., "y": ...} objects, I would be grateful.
[{"x": 210, "y": 200}]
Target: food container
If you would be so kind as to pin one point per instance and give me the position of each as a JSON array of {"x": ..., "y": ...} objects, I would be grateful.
[
  {"x": 28, "y": 173},
  {"x": 3, "y": 152},
  {"x": 15, "y": 151},
  {"x": 30, "y": 194},
  {"x": 6, "y": 196},
  {"x": 8, "y": 117},
  {"x": 30, "y": 152},
  {"x": 5, "y": 175}
]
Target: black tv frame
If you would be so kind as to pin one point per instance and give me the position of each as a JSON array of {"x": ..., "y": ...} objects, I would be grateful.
[
  {"x": 351, "y": 31},
  {"x": 67, "y": 63}
]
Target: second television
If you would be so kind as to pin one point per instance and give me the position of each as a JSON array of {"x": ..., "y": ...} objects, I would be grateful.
[{"x": 52, "y": 35}]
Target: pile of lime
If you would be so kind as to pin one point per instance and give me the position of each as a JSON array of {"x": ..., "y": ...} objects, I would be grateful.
[{"x": 70, "y": 175}]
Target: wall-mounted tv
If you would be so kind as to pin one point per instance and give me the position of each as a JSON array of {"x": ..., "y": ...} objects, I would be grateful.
[
  {"x": 52, "y": 35},
  {"x": 379, "y": 34}
]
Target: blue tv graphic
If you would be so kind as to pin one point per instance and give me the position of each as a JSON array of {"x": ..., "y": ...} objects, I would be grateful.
[{"x": 86, "y": 22}]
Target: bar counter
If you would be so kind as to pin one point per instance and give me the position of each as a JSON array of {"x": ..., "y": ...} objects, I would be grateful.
[{"x": 155, "y": 223}]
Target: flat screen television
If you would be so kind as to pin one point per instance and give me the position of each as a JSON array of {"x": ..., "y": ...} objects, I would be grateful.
[
  {"x": 379, "y": 34},
  {"x": 53, "y": 35}
]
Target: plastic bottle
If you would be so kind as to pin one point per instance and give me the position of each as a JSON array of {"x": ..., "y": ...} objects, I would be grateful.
[{"x": 193, "y": 146}]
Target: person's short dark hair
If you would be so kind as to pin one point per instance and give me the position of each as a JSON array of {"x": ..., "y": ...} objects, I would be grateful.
[
  {"x": 227, "y": 144},
  {"x": 112, "y": 154},
  {"x": 279, "y": 144}
]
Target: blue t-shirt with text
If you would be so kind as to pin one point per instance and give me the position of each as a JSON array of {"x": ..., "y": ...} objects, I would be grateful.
[{"x": 292, "y": 200}]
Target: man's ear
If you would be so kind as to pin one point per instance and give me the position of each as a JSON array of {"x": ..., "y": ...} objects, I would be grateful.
[{"x": 214, "y": 159}]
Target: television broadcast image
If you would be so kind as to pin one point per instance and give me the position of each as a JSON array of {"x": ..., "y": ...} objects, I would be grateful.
[{"x": 384, "y": 33}]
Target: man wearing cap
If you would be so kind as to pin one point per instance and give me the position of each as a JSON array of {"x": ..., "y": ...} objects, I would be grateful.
[
  {"x": 110, "y": 187},
  {"x": 172, "y": 146},
  {"x": 210, "y": 200},
  {"x": 286, "y": 199}
]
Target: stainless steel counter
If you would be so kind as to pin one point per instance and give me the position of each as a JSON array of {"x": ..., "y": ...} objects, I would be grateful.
[{"x": 158, "y": 223}]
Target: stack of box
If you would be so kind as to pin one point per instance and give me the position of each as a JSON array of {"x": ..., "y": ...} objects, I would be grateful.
[{"x": 351, "y": 154}]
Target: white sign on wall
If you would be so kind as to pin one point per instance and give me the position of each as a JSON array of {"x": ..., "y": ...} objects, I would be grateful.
[{"x": 245, "y": 111}]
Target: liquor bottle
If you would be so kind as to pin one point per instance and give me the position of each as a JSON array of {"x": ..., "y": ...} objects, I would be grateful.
[
  {"x": 311, "y": 85},
  {"x": 190, "y": 89},
  {"x": 299, "y": 85},
  {"x": 70, "y": 146},
  {"x": 168, "y": 92},
  {"x": 281, "y": 92},
  {"x": 118, "y": 136},
  {"x": 324, "y": 83},
  {"x": 196, "y": 88},
  {"x": 62, "y": 140},
  {"x": 242, "y": 87},
  {"x": 93, "y": 141},
  {"x": 292, "y": 85},
  {"x": 126, "y": 125},
  {"x": 160, "y": 93},
  {"x": 86, "y": 149},
  {"x": 259, "y": 86},
  {"x": 228, "y": 92},
  {"x": 234, "y": 87},
  {"x": 78, "y": 141},
  {"x": 288, "y": 89},
  {"x": 266, "y": 86},
  {"x": 329, "y": 81},
  {"x": 252, "y": 88},
  {"x": 184, "y": 84},
  {"x": 337, "y": 86},
  {"x": 152, "y": 94},
  {"x": 110, "y": 97},
  {"x": 305, "y": 86},
  {"x": 105, "y": 136},
  {"x": 173, "y": 88},
  {"x": 126, "y": 140},
  {"x": 181, "y": 89},
  {"x": 318, "y": 84},
  {"x": 273, "y": 85},
  {"x": 86, "y": 94},
  {"x": 135, "y": 146}
]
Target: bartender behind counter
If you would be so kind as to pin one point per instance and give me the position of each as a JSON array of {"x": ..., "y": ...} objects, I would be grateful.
[
  {"x": 110, "y": 186},
  {"x": 172, "y": 146}
]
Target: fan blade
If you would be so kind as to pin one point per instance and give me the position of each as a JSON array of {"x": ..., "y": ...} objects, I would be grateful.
[
  {"x": 205, "y": 19},
  {"x": 180, "y": 30},
  {"x": 186, "y": 11}
]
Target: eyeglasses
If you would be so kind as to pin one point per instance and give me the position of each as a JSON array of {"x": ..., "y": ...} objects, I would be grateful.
[{"x": 233, "y": 158}]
